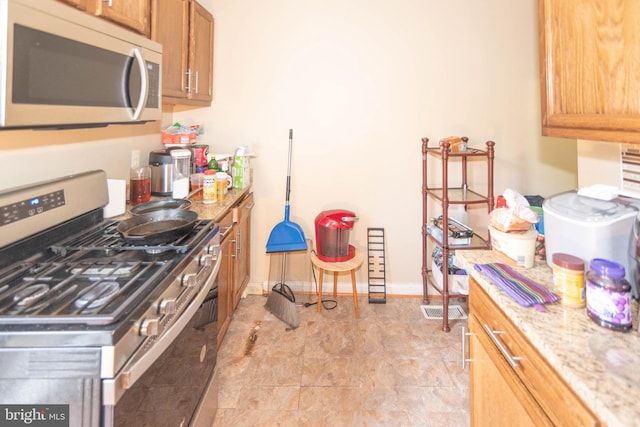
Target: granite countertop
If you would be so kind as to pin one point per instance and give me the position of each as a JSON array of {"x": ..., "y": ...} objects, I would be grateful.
[
  {"x": 217, "y": 210},
  {"x": 602, "y": 366},
  {"x": 213, "y": 211}
]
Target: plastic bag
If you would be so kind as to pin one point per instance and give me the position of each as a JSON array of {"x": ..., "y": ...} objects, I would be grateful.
[{"x": 515, "y": 215}]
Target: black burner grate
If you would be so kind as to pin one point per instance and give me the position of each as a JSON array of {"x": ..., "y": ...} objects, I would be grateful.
[{"x": 95, "y": 292}]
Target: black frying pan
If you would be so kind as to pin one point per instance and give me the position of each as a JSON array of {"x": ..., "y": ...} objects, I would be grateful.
[
  {"x": 158, "y": 205},
  {"x": 157, "y": 227}
]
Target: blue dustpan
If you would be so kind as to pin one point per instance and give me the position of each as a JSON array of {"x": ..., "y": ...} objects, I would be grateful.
[{"x": 287, "y": 236}]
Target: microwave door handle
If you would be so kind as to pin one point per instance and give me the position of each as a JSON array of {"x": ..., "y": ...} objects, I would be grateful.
[{"x": 144, "y": 84}]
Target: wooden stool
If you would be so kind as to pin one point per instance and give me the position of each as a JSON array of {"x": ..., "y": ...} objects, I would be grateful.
[{"x": 350, "y": 265}]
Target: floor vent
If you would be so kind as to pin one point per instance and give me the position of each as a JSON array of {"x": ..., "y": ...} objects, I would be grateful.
[{"x": 432, "y": 312}]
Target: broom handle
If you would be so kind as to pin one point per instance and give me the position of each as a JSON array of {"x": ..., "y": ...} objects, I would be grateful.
[
  {"x": 289, "y": 167},
  {"x": 284, "y": 266}
]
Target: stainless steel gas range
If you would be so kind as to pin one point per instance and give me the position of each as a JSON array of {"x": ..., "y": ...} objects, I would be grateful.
[{"x": 123, "y": 334}]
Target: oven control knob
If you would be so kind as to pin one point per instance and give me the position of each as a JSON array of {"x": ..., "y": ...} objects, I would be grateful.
[
  {"x": 189, "y": 280},
  {"x": 206, "y": 260},
  {"x": 167, "y": 306},
  {"x": 149, "y": 327}
]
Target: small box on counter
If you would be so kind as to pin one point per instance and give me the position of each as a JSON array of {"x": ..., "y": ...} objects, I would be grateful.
[
  {"x": 241, "y": 169},
  {"x": 179, "y": 135}
]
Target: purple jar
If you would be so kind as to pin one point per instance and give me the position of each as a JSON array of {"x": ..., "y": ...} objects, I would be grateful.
[{"x": 608, "y": 295}]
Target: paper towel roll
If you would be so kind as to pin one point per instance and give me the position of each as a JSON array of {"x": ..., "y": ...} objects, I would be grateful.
[{"x": 117, "y": 198}]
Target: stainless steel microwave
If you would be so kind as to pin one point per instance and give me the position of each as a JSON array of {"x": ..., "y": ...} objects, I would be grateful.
[{"x": 61, "y": 67}]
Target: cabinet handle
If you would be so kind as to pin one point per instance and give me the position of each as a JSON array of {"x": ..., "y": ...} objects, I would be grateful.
[
  {"x": 463, "y": 357},
  {"x": 225, "y": 232},
  {"x": 239, "y": 241},
  {"x": 513, "y": 360},
  {"x": 109, "y": 2},
  {"x": 188, "y": 73},
  {"x": 196, "y": 82}
]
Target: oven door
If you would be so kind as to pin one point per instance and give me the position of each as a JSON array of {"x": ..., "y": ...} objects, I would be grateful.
[{"x": 165, "y": 386}]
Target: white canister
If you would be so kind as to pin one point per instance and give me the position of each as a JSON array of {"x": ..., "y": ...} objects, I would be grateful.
[
  {"x": 181, "y": 171},
  {"x": 514, "y": 249},
  {"x": 223, "y": 183}
]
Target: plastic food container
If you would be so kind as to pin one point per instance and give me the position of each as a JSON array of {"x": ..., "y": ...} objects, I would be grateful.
[
  {"x": 514, "y": 249},
  {"x": 588, "y": 228},
  {"x": 608, "y": 295},
  {"x": 568, "y": 279}
]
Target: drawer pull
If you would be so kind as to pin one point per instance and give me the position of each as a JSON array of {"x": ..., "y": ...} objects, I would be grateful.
[
  {"x": 463, "y": 335},
  {"x": 513, "y": 360}
]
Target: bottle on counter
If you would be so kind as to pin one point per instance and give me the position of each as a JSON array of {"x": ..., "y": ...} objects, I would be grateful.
[
  {"x": 209, "y": 187},
  {"x": 608, "y": 295},
  {"x": 213, "y": 164},
  {"x": 139, "y": 185},
  {"x": 568, "y": 279}
]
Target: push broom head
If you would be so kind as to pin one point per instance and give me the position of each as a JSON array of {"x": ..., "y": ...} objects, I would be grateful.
[{"x": 282, "y": 304}]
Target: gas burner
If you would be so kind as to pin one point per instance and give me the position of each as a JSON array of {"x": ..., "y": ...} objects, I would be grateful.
[
  {"x": 98, "y": 295},
  {"x": 30, "y": 294}
]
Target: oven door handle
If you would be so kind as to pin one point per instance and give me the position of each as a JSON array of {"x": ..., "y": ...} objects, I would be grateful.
[{"x": 137, "y": 366}]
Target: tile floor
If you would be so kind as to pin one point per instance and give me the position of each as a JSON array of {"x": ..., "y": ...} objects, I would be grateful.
[{"x": 391, "y": 367}]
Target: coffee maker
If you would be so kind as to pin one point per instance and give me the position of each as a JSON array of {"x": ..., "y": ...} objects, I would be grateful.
[{"x": 332, "y": 235}]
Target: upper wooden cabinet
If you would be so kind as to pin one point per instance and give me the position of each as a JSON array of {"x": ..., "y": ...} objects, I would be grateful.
[
  {"x": 185, "y": 30},
  {"x": 132, "y": 14},
  {"x": 590, "y": 69}
]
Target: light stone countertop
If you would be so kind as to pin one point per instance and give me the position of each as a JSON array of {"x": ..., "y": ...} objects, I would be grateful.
[
  {"x": 214, "y": 211},
  {"x": 217, "y": 210},
  {"x": 602, "y": 366}
]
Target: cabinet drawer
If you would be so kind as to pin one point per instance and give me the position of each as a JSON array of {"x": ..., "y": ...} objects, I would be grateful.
[
  {"x": 243, "y": 208},
  {"x": 555, "y": 397}
]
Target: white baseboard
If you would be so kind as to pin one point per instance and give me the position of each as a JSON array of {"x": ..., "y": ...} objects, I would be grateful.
[{"x": 343, "y": 288}]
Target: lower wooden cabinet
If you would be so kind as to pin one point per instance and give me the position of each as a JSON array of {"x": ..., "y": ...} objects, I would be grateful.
[
  {"x": 242, "y": 240},
  {"x": 510, "y": 382},
  {"x": 234, "y": 273},
  {"x": 497, "y": 396}
]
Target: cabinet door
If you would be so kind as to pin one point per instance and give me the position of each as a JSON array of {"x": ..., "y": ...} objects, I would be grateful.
[
  {"x": 133, "y": 14},
  {"x": 80, "y": 4},
  {"x": 171, "y": 29},
  {"x": 554, "y": 399},
  {"x": 590, "y": 69},
  {"x": 497, "y": 396},
  {"x": 243, "y": 247},
  {"x": 200, "y": 54}
]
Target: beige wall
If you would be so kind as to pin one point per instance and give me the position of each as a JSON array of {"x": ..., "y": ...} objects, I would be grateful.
[
  {"x": 360, "y": 82},
  {"x": 599, "y": 163}
]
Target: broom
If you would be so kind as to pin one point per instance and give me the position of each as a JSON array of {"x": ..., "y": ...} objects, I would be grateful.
[{"x": 281, "y": 301}]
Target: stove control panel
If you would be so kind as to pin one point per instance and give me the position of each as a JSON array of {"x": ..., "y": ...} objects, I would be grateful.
[{"x": 31, "y": 207}]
